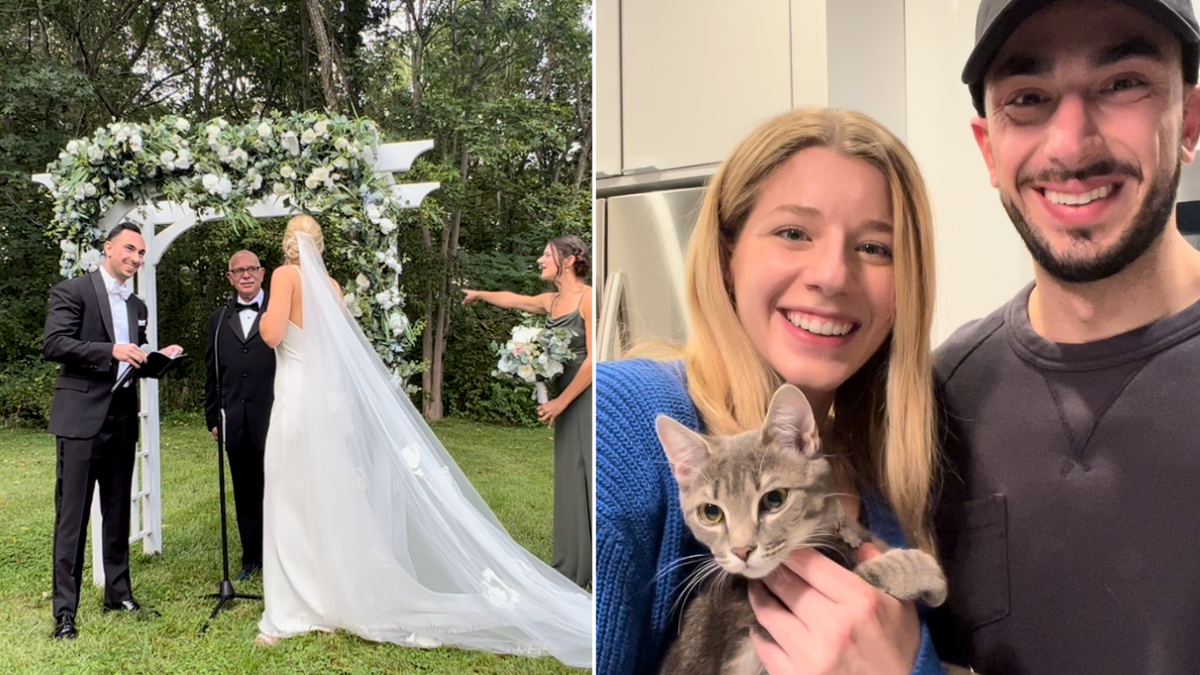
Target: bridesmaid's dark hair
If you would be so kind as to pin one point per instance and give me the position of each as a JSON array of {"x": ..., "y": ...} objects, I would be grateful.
[{"x": 570, "y": 245}]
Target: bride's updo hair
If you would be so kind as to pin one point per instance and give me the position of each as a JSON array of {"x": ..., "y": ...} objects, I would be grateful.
[{"x": 307, "y": 225}]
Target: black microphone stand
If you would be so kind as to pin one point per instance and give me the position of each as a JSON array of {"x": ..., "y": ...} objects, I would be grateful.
[{"x": 226, "y": 592}]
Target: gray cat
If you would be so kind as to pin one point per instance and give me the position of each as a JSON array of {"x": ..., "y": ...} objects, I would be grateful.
[{"x": 752, "y": 499}]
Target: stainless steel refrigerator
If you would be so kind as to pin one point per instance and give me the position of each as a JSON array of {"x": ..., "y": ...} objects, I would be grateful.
[{"x": 639, "y": 245}]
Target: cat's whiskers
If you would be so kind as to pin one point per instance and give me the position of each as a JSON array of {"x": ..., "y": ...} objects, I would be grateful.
[
  {"x": 693, "y": 582},
  {"x": 680, "y": 563}
]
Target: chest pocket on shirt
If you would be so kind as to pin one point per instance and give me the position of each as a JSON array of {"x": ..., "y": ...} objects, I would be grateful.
[{"x": 973, "y": 544}]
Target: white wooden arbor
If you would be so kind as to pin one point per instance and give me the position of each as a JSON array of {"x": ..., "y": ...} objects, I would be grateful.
[{"x": 162, "y": 223}]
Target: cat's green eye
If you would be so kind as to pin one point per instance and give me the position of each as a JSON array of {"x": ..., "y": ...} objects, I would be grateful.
[
  {"x": 775, "y": 499},
  {"x": 711, "y": 513}
]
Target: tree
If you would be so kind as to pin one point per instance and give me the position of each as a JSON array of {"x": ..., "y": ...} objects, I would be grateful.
[{"x": 504, "y": 88}]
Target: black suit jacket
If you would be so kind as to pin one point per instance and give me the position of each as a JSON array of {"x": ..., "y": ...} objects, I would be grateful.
[
  {"x": 247, "y": 376},
  {"x": 79, "y": 334}
]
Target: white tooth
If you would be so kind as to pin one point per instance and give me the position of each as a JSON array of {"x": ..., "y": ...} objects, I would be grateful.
[
  {"x": 1079, "y": 199},
  {"x": 818, "y": 327}
]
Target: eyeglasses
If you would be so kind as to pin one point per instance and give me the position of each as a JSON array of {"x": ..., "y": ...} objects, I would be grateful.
[{"x": 244, "y": 270}]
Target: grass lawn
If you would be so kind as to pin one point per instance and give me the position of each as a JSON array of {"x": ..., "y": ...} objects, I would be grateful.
[{"x": 511, "y": 468}]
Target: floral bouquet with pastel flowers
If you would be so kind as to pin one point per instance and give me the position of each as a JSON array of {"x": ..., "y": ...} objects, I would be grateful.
[{"x": 534, "y": 355}]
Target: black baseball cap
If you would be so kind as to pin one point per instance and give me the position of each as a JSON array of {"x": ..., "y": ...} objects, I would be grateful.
[{"x": 997, "y": 19}]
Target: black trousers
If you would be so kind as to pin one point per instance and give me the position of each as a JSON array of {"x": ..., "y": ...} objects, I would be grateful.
[
  {"x": 83, "y": 463},
  {"x": 246, "y": 469}
]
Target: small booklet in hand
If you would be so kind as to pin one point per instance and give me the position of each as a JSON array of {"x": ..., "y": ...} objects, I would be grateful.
[{"x": 157, "y": 364}]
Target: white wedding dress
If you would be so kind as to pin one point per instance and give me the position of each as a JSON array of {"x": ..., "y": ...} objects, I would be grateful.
[{"x": 370, "y": 526}]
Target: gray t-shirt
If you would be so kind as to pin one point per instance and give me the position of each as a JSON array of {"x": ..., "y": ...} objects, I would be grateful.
[{"x": 1068, "y": 518}]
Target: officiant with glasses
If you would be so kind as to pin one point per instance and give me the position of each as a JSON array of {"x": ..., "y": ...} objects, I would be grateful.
[{"x": 247, "y": 372}]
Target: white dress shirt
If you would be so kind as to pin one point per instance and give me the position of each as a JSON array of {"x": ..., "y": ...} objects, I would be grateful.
[
  {"x": 247, "y": 315},
  {"x": 120, "y": 313}
]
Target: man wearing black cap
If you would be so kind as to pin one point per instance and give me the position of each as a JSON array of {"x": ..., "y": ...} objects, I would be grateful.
[{"x": 1070, "y": 496}]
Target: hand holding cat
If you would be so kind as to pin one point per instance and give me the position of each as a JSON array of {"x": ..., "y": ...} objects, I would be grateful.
[{"x": 826, "y": 619}]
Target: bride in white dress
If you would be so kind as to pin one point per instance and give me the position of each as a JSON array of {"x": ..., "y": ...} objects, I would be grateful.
[{"x": 369, "y": 525}]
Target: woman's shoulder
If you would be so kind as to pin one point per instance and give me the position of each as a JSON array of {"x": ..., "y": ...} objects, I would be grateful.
[
  {"x": 633, "y": 478},
  {"x": 642, "y": 389},
  {"x": 630, "y": 395},
  {"x": 288, "y": 272}
]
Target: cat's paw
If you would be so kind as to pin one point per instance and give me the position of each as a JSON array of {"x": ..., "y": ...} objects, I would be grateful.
[{"x": 907, "y": 574}]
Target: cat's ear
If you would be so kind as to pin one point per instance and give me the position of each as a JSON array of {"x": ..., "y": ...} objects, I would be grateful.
[
  {"x": 790, "y": 420},
  {"x": 686, "y": 450}
]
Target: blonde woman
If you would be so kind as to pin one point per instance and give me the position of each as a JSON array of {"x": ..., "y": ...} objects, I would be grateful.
[
  {"x": 368, "y": 524},
  {"x": 811, "y": 263}
]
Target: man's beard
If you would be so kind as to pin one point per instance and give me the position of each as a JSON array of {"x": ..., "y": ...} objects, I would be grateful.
[{"x": 1148, "y": 223}]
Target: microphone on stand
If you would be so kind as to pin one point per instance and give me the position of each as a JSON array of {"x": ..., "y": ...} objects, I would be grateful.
[{"x": 128, "y": 375}]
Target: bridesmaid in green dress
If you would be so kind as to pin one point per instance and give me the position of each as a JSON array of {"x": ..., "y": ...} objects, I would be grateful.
[{"x": 565, "y": 262}]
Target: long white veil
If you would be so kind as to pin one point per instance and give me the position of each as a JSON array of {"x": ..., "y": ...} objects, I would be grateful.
[{"x": 419, "y": 556}]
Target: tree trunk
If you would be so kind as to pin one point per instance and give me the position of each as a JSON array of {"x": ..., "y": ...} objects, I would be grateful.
[
  {"x": 316, "y": 18},
  {"x": 419, "y": 28},
  {"x": 584, "y": 160},
  {"x": 305, "y": 50},
  {"x": 427, "y": 387},
  {"x": 427, "y": 356},
  {"x": 439, "y": 320}
]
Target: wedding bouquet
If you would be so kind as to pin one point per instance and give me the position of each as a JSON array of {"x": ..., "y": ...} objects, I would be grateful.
[{"x": 534, "y": 355}]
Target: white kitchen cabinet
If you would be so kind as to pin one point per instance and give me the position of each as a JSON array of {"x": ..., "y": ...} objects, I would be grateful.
[
  {"x": 697, "y": 76},
  {"x": 608, "y": 87}
]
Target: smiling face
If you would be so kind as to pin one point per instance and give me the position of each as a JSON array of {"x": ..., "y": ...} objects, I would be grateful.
[
  {"x": 811, "y": 271},
  {"x": 123, "y": 255},
  {"x": 552, "y": 261},
  {"x": 246, "y": 275},
  {"x": 1085, "y": 107}
]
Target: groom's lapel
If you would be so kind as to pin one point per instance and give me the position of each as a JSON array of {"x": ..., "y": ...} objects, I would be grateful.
[{"x": 105, "y": 308}]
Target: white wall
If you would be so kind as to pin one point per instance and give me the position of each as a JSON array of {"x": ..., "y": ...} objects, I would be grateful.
[
  {"x": 1189, "y": 182},
  {"x": 865, "y": 53},
  {"x": 981, "y": 261}
]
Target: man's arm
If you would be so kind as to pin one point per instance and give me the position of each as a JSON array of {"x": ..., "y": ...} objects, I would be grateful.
[{"x": 60, "y": 339}]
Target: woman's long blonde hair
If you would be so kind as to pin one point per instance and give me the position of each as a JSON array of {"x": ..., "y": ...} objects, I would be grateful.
[{"x": 882, "y": 421}]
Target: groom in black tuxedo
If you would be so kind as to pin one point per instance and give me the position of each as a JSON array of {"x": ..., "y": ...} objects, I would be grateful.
[
  {"x": 248, "y": 389},
  {"x": 94, "y": 325}
]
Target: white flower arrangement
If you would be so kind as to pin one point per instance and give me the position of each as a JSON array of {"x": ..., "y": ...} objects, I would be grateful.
[
  {"x": 534, "y": 355},
  {"x": 316, "y": 163}
]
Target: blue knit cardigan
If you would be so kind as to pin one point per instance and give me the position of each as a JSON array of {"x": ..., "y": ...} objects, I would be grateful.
[{"x": 640, "y": 531}]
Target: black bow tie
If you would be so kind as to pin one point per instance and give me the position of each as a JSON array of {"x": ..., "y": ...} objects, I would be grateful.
[{"x": 239, "y": 306}]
